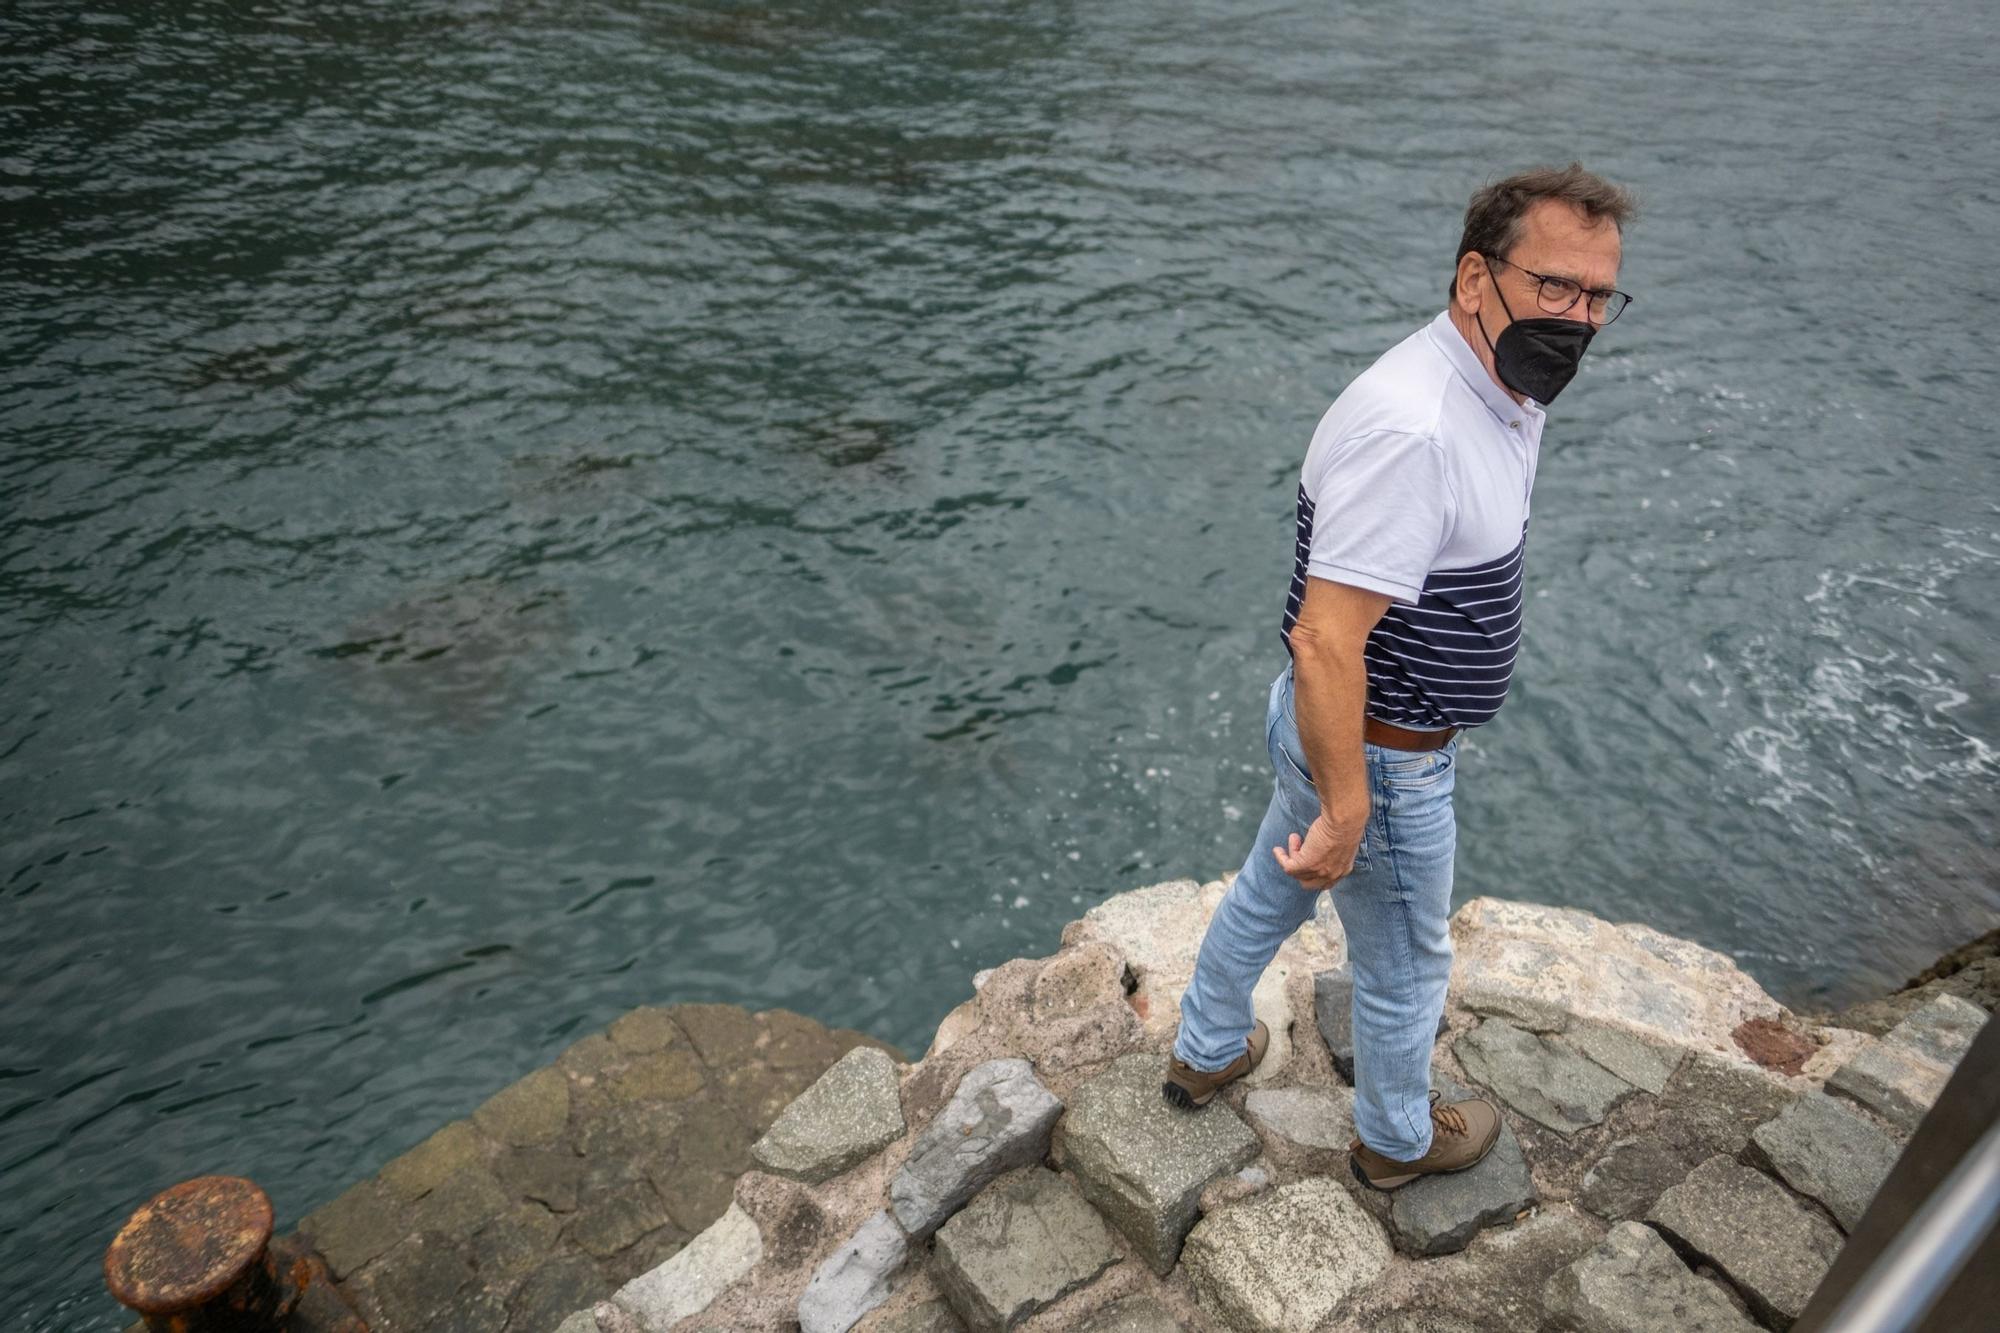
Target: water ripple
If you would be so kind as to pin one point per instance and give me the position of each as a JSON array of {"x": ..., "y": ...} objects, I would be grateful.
[{"x": 511, "y": 513}]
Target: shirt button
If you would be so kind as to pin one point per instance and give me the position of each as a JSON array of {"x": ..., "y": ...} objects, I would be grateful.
[{"x": 1515, "y": 425}]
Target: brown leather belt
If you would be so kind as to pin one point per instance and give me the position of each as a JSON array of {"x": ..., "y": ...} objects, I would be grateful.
[{"x": 1402, "y": 738}]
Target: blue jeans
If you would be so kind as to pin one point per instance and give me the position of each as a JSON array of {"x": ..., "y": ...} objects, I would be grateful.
[{"x": 1395, "y": 906}]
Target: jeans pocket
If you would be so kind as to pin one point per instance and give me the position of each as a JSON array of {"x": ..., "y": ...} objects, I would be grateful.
[
  {"x": 1295, "y": 784},
  {"x": 1293, "y": 780},
  {"x": 1421, "y": 771}
]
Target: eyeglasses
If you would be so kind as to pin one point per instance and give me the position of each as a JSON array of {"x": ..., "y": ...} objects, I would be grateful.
[{"x": 1558, "y": 295}]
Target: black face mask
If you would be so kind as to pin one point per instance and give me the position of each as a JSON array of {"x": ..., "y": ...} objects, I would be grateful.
[{"x": 1538, "y": 356}]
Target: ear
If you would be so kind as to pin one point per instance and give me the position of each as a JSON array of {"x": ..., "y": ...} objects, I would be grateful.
[{"x": 1467, "y": 287}]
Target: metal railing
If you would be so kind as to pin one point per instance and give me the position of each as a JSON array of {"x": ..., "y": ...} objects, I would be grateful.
[{"x": 1908, "y": 1277}]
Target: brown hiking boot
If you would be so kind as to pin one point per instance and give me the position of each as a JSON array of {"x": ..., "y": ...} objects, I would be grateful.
[
  {"x": 1461, "y": 1135},
  {"x": 1188, "y": 1087}
]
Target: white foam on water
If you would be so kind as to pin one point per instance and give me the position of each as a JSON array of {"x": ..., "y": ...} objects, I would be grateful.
[{"x": 1891, "y": 710}]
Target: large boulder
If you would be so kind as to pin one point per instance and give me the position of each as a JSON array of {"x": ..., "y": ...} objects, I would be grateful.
[
  {"x": 1544, "y": 968},
  {"x": 1066, "y": 1013},
  {"x": 1158, "y": 931},
  {"x": 1075, "y": 981},
  {"x": 1284, "y": 1260},
  {"x": 1638, "y": 1060},
  {"x": 1142, "y": 1162}
]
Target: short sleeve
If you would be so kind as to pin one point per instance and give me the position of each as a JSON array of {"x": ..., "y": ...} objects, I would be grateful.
[{"x": 1381, "y": 511}]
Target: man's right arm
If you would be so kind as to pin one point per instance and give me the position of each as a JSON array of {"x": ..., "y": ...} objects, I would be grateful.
[{"x": 1330, "y": 691}]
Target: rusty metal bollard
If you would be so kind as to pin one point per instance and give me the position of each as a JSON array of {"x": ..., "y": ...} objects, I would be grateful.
[{"x": 198, "y": 1258}]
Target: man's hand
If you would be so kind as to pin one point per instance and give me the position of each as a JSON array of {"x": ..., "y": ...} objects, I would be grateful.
[{"x": 1327, "y": 852}]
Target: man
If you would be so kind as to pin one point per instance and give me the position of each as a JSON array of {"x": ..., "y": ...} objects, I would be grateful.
[{"x": 1401, "y": 626}]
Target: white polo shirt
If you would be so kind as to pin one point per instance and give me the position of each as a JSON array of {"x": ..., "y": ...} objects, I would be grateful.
[{"x": 1417, "y": 485}]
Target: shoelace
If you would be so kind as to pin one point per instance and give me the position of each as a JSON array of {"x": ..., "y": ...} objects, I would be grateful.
[{"x": 1447, "y": 1118}]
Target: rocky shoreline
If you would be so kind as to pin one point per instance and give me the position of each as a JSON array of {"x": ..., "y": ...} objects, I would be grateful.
[
  {"x": 576, "y": 1178},
  {"x": 1679, "y": 1151},
  {"x": 1971, "y": 972}
]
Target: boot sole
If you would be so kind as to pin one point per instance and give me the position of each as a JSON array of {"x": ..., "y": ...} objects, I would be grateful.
[{"x": 1388, "y": 1183}]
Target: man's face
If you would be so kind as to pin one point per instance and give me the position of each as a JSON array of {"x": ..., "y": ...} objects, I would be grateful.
[{"x": 1557, "y": 241}]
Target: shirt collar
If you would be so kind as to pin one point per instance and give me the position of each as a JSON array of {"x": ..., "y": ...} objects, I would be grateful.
[{"x": 1447, "y": 339}]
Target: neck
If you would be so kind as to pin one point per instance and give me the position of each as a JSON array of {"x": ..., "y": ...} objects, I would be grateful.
[{"x": 1467, "y": 325}]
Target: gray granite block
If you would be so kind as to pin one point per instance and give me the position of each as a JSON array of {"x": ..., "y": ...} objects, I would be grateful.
[
  {"x": 1941, "y": 1029},
  {"x": 1544, "y": 1079},
  {"x": 1712, "y": 1103},
  {"x": 1827, "y": 1152},
  {"x": 1634, "y": 1172},
  {"x": 1492, "y": 1286},
  {"x": 1634, "y": 1283},
  {"x": 999, "y": 1118},
  {"x": 851, "y": 1112},
  {"x": 1642, "y": 1063},
  {"x": 1310, "y": 1117},
  {"x": 1142, "y": 1162},
  {"x": 1441, "y": 1214},
  {"x": 1283, "y": 1260},
  {"x": 690, "y": 1281},
  {"x": 1023, "y": 1244},
  {"x": 1742, "y": 1224},
  {"x": 1891, "y": 1082},
  {"x": 1900, "y": 1076},
  {"x": 855, "y": 1278}
]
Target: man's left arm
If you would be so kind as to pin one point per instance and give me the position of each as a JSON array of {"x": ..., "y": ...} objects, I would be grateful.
[{"x": 1330, "y": 694}]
